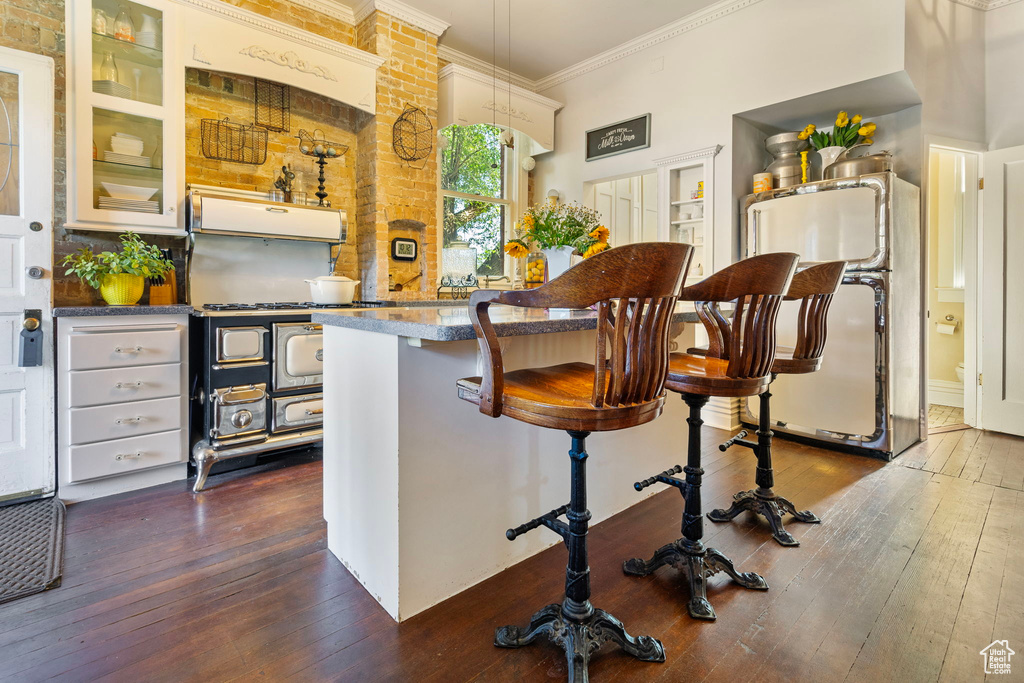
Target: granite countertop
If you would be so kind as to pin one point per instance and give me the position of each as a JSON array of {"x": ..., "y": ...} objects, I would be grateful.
[
  {"x": 88, "y": 311},
  {"x": 452, "y": 323}
]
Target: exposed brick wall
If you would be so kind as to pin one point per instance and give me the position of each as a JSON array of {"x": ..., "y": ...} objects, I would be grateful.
[
  {"x": 387, "y": 187},
  {"x": 390, "y": 188},
  {"x": 212, "y": 95},
  {"x": 299, "y": 17}
]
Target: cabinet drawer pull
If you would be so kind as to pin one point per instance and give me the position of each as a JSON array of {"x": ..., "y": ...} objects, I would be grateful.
[
  {"x": 128, "y": 385},
  {"x": 128, "y": 420},
  {"x": 274, "y": 209},
  {"x": 127, "y": 349},
  {"x": 315, "y": 411},
  {"x": 128, "y": 456}
]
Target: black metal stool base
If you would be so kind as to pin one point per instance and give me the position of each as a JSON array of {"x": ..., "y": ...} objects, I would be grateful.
[
  {"x": 769, "y": 506},
  {"x": 698, "y": 565},
  {"x": 580, "y": 637}
]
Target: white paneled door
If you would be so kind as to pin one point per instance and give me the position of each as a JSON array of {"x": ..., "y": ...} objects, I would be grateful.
[
  {"x": 26, "y": 248},
  {"x": 1002, "y": 360}
]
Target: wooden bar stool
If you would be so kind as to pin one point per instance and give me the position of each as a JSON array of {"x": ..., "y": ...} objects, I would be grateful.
[
  {"x": 813, "y": 288},
  {"x": 737, "y": 363},
  {"x": 635, "y": 289}
]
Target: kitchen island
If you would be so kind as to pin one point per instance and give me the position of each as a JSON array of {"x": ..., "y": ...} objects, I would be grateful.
[{"x": 419, "y": 486}]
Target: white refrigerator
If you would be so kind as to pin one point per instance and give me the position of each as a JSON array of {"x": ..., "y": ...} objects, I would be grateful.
[{"x": 868, "y": 395}]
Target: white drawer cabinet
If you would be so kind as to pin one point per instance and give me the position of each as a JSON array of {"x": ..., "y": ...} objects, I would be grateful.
[
  {"x": 122, "y": 403},
  {"x": 104, "y": 346},
  {"x": 120, "y": 420},
  {"x": 119, "y": 385},
  {"x": 124, "y": 455}
]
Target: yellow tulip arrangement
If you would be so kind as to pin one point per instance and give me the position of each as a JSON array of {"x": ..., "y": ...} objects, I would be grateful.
[
  {"x": 559, "y": 225},
  {"x": 846, "y": 133}
]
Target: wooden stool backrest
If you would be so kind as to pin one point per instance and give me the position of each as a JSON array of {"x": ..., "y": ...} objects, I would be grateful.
[
  {"x": 756, "y": 286},
  {"x": 635, "y": 288},
  {"x": 814, "y": 287}
]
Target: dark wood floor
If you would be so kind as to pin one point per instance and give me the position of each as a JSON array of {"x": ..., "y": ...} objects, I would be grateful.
[{"x": 918, "y": 565}]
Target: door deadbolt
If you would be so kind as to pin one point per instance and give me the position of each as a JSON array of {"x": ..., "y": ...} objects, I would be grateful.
[
  {"x": 35, "y": 272},
  {"x": 35, "y": 226}
]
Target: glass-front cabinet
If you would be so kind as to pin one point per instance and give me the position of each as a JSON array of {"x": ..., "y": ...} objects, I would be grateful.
[
  {"x": 686, "y": 192},
  {"x": 126, "y": 117}
]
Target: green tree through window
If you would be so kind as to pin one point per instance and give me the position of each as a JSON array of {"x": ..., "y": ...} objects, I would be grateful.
[{"x": 473, "y": 165}]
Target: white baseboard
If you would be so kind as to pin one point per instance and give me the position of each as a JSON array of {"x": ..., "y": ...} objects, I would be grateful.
[
  {"x": 722, "y": 413},
  {"x": 943, "y": 392}
]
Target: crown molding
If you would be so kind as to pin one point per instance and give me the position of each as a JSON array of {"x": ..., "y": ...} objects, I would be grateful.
[
  {"x": 404, "y": 12},
  {"x": 499, "y": 85},
  {"x": 272, "y": 26},
  {"x": 985, "y": 5},
  {"x": 702, "y": 153},
  {"x": 331, "y": 8},
  {"x": 660, "y": 35},
  {"x": 453, "y": 56}
]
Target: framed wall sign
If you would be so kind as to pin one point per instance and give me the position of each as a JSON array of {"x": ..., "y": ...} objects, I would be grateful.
[
  {"x": 403, "y": 249},
  {"x": 617, "y": 138}
]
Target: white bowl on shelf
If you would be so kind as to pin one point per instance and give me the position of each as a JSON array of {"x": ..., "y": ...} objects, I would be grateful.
[{"x": 129, "y": 191}]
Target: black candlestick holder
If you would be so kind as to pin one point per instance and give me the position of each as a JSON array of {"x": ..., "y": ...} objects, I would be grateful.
[{"x": 315, "y": 145}]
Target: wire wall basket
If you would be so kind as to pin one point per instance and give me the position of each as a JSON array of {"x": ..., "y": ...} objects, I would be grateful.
[
  {"x": 412, "y": 135},
  {"x": 227, "y": 141},
  {"x": 273, "y": 105}
]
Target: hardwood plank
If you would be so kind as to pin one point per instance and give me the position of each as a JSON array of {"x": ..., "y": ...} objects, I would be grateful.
[
  {"x": 907, "y": 571},
  {"x": 976, "y": 616}
]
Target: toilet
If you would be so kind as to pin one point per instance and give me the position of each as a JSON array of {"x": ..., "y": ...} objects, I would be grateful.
[{"x": 960, "y": 372}]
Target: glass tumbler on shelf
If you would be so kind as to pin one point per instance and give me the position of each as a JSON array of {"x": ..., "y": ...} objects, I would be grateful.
[
  {"x": 108, "y": 69},
  {"x": 124, "y": 29}
]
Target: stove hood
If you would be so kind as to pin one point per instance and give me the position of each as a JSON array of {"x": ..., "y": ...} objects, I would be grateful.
[
  {"x": 224, "y": 214},
  {"x": 229, "y": 39}
]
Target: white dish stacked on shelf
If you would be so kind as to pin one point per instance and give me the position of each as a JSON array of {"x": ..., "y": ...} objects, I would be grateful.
[
  {"x": 123, "y": 143},
  {"x": 129, "y": 159},
  {"x": 129, "y": 198},
  {"x": 112, "y": 88},
  {"x": 146, "y": 39}
]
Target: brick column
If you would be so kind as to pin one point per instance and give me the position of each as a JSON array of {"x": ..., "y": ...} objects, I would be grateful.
[{"x": 389, "y": 189}]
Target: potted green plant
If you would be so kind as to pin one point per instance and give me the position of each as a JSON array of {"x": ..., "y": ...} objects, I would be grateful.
[
  {"x": 120, "y": 276},
  {"x": 560, "y": 230}
]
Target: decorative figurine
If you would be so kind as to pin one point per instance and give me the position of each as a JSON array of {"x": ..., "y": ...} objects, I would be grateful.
[{"x": 284, "y": 182}]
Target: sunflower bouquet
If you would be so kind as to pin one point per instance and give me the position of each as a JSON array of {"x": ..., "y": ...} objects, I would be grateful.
[
  {"x": 846, "y": 133},
  {"x": 559, "y": 225}
]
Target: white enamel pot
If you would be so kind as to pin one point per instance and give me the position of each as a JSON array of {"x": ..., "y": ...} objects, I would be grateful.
[{"x": 332, "y": 289}]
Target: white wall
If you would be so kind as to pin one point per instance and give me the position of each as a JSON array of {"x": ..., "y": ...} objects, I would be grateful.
[
  {"x": 945, "y": 58},
  {"x": 768, "y": 52},
  {"x": 1004, "y": 76}
]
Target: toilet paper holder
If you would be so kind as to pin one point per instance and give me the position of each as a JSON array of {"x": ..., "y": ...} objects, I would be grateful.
[{"x": 950, "y": 326}]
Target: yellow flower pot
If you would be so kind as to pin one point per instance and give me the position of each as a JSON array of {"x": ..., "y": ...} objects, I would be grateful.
[{"x": 122, "y": 289}]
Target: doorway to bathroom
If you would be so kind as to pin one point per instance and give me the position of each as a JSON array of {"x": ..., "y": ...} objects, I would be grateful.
[{"x": 951, "y": 287}]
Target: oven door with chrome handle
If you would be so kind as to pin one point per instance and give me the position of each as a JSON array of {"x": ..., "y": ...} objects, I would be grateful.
[
  {"x": 239, "y": 410},
  {"x": 240, "y": 344},
  {"x": 298, "y": 355},
  {"x": 297, "y": 412}
]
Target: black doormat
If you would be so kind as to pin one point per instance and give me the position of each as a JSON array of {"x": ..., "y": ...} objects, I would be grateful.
[{"x": 31, "y": 547}]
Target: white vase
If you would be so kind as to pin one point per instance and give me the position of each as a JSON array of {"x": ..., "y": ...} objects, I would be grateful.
[
  {"x": 559, "y": 260},
  {"x": 829, "y": 155}
]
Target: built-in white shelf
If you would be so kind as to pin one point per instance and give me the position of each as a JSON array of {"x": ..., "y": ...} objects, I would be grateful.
[
  {"x": 689, "y": 221},
  {"x": 682, "y": 202}
]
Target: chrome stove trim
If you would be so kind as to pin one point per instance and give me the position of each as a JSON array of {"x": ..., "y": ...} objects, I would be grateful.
[{"x": 205, "y": 456}]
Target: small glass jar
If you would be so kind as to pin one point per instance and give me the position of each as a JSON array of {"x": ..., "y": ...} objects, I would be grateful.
[
  {"x": 108, "y": 69},
  {"x": 536, "y": 270},
  {"x": 298, "y": 197},
  {"x": 99, "y": 21},
  {"x": 124, "y": 29}
]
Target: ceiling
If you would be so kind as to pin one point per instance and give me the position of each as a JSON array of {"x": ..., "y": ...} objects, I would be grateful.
[{"x": 548, "y": 35}]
